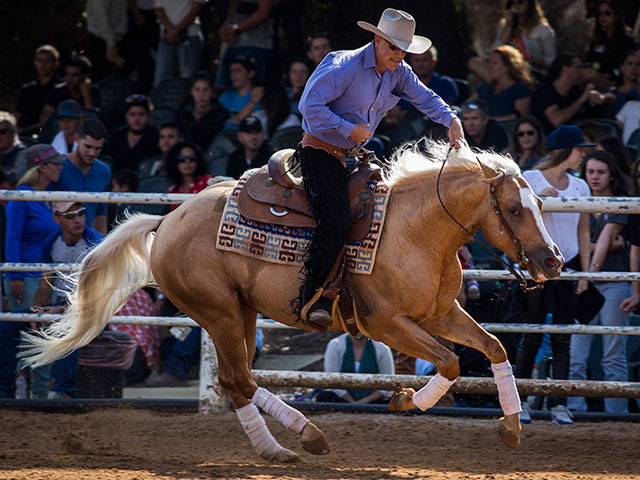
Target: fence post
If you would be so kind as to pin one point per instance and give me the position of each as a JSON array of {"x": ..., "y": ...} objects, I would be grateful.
[{"x": 212, "y": 397}]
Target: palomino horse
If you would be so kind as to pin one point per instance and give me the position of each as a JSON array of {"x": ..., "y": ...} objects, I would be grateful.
[{"x": 410, "y": 293}]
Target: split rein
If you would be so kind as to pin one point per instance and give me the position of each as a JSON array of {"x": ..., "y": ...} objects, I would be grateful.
[{"x": 521, "y": 256}]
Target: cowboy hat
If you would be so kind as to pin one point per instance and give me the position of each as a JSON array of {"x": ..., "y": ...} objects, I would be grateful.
[{"x": 397, "y": 27}]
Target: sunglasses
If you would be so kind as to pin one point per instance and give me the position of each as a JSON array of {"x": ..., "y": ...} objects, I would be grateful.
[
  {"x": 393, "y": 47},
  {"x": 187, "y": 158},
  {"x": 606, "y": 13},
  {"x": 71, "y": 215},
  {"x": 136, "y": 97},
  {"x": 528, "y": 133},
  {"x": 4, "y": 131}
]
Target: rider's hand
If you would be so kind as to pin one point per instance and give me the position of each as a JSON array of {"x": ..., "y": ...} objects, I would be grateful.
[
  {"x": 456, "y": 132},
  {"x": 360, "y": 133}
]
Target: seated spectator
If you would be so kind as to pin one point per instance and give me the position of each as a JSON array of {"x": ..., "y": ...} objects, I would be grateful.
[
  {"x": 138, "y": 140},
  {"x": 12, "y": 150},
  {"x": 33, "y": 95},
  {"x": 254, "y": 151},
  {"x": 610, "y": 40},
  {"x": 187, "y": 169},
  {"x": 297, "y": 76},
  {"x": 523, "y": 26},
  {"x": 69, "y": 118},
  {"x": 106, "y": 27},
  {"x": 242, "y": 100},
  {"x": 275, "y": 111},
  {"x": 628, "y": 119},
  {"x": 508, "y": 92},
  {"x": 606, "y": 230},
  {"x": 84, "y": 172},
  {"x": 76, "y": 86},
  {"x": 317, "y": 46},
  {"x": 180, "y": 38},
  {"x": 627, "y": 88},
  {"x": 480, "y": 130},
  {"x": 563, "y": 99},
  {"x": 423, "y": 65},
  {"x": 168, "y": 136},
  {"x": 201, "y": 116},
  {"x": 123, "y": 181},
  {"x": 248, "y": 30},
  {"x": 528, "y": 145},
  {"x": 356, "y": 354},
  {"x": 620, "y": 153}
]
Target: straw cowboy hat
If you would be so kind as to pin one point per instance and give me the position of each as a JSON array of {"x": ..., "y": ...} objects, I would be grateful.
[{"x": 397, "y": 27}]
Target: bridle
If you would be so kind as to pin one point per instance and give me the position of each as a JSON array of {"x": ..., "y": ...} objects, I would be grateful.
[{"x": 504, "y": 226}]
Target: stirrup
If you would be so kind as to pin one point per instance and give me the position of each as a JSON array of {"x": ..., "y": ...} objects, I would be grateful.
[{"x": 307, "y": 313}]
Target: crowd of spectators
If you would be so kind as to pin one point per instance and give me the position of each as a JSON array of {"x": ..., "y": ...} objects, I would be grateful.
[{"x": 145, "y": 109}]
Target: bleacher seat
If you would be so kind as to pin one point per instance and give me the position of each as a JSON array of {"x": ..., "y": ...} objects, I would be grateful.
[
  {"x": 286, "y": 138},
  {"x": 113, "y": 92},
  {"x": 608, "y": 125},
  {"x": 170, "y": 92},
  {"x": 634, "y": 139},
  {"x": 463, "y": 89},
  {"x": 509, "y": 127},
  {"x": 159, "y": 116}
]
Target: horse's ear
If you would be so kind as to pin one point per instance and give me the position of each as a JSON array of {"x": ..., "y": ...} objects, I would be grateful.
[
  {"x": 488, "y": 173},
  {"x": 508, "y": 155}
]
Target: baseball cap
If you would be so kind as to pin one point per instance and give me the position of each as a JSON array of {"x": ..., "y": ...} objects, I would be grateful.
[
  {"x": 566, "y": 136},
  {"x": 69, "y": 108},
  {"x": 41, "y": 154},
  {"x": 61, "y": 207},
  {"x": 248, "y": 62},
  {"x": 250, "y": 124}
]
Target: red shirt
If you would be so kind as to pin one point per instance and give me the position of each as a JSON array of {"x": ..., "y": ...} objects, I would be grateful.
[{"x": 195, "y": 187}]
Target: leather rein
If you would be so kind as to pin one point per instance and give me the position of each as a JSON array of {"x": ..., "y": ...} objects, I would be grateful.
[{"x": 504, "y": 226}]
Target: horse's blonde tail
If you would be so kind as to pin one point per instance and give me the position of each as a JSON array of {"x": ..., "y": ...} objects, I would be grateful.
[{"x": 107, "y": 276}]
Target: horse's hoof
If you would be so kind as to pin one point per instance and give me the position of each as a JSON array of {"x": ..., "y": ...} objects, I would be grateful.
[
  {"x": 509, "y": 431},
  {"x": 402, "y": 400},
  {"x": 313, "y": 440},
  {"x": 286, "y": 456}
]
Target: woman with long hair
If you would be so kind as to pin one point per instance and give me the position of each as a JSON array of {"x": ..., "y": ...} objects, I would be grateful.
[
  {"x": 570, "y": 232},
  {"x": 610, "y": 39},
  {"x": 610, "y": 254},
  {"x": 275, "y": 110},
  {"x": 524, "y": 26},
  {"x": 187, "y": 169},
  {"x": 508, "y": 92},
  {"x": 297, "y": 76},
  {"x": 627, "y": 88},
  {"x": 528, "y": 144}
]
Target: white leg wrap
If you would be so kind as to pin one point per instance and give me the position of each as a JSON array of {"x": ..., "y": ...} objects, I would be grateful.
[
  {"x": 428, "y": 395},
  {"x": 507, "y": 391},
  {"x": 288, "y": 416},
  {"x": 256, "y": 429}
]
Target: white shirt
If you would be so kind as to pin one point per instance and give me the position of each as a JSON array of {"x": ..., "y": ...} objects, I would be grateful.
[
  {"x": 60, "y": 144},
  {"x": 629, "y": 115},
  {"x": 563, "y": 227},
  {"x": 176, "y": 10}
]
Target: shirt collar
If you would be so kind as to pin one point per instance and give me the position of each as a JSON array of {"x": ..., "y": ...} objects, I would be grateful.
[{"x": 370, "y": 56}]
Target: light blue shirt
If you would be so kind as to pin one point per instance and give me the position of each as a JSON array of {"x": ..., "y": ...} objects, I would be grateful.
[{"x": 346, "y": 89}]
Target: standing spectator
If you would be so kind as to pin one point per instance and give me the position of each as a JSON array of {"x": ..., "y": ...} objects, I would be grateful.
[
  {"x": 69, "y": 118},
  {"x": 629, "y": 304},
  {"x": 106, "y": 27},
  {"x": 480, "y": 130},
  {"x": 141, "y": 41},
  {"x": 627, "y": 88},
  {"x": 201, "y": 116},
  {"x": 610, "y": 40},
  {"x": 297, "y": 76},
  {"x": 254, "y": 151},
  {"x": 242, "y": 100},
  {"x": 610, "y": 255},
  {"x": 138, "y": 140},
  {"x": 356, "y": 354},
  {"x": 523, "y": 26},
  {"x": 34, "y": 94},
  {"x": 249, "y": 30},
  {"x": 147, "y": 337},
  {"x": 423, "y": 65},
  {"x": 317, "y": 46},
  {"x": 508, "y": 92},
  {"x": 180, "y": 38},
  {"x": 187, "y": 169},
  {"x": 76, "y": 86},
  {"x": 570, "y": 232},
  {"x": 11, "y": 148},
  {"x": 275, "y": 110},
  {"x": 84, "y": 172},
  {"x": 528, "y": 145}
]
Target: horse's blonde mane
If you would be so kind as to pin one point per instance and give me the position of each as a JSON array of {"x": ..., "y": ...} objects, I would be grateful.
[{"x": 425, "y": 156}]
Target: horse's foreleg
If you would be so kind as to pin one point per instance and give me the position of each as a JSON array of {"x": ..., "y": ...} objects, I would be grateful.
[
  {"x": 459, "y": 327},
  {"x": 403, "y": 334}
]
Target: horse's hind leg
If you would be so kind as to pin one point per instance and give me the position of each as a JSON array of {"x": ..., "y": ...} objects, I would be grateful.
[{"x": 459, "y": 327}]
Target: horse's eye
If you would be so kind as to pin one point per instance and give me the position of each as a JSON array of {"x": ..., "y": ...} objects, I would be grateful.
[{"x": 514, "y": 211}]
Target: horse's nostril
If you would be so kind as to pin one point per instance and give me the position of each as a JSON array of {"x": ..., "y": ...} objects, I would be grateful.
[{"x": 551, "y": 262}]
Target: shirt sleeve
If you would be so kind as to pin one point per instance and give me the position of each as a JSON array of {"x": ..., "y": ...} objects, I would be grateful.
[
  {"x": 333, "y": 359},
  {"x": 326, "y": 84},
  {"x": 16, "y": 216}
]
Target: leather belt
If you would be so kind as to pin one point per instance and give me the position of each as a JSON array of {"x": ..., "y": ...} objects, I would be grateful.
[{"x": 309, "y": 140}]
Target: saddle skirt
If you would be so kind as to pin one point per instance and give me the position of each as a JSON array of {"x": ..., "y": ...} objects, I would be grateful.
[
  {"x": 256, "y": 232},
  {"x": 275, "y": 194}
]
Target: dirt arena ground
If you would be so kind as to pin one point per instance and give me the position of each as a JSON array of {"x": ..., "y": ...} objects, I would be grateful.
[{"x": 141, "y": 445}]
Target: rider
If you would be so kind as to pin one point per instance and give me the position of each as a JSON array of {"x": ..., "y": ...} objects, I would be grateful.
[{"x": 342, "y": 104}]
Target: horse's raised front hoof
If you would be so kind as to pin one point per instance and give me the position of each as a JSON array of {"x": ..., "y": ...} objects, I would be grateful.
[
  {"x": 286, "y": 456},
  {"x": 402, "y": 400},
  {"x": 313, "y": 440},
  {"x": 509, "y": 429}
]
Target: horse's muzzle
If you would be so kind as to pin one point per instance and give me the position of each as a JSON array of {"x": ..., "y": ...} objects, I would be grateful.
[{"x": 545, "y": 263}]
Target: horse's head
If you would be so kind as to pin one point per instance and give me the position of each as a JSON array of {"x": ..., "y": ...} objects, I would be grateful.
[{"x": 515, "y": 226}]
